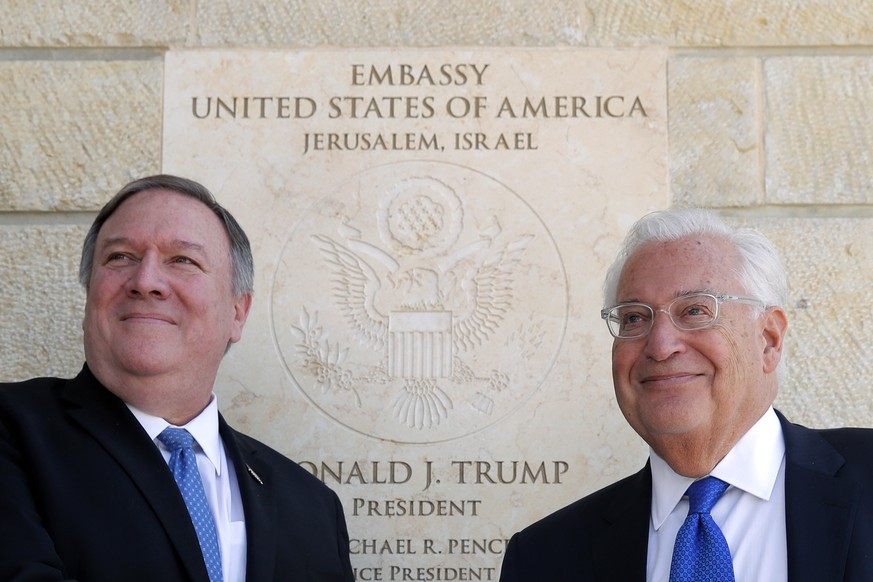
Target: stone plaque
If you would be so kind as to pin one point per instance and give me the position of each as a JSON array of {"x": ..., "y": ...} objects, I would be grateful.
[{"x": 430, "y": 230}]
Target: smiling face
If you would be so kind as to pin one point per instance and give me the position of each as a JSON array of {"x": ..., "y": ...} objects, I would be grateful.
[
  {"x": 159, "y": 305},
  {"x": 692, "y": 394}
]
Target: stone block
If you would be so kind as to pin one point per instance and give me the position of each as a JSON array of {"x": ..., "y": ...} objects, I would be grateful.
[
  {"x": 223, "y": 23},
  {"x": 82, "y": 23},
  {"x": 725, "y": 23},
  {"x": 76, "y": 131},
  {"x": 42, "y": 304},
  {"x": 819, "y": 142},
  {"x": 714, "y": 149}
]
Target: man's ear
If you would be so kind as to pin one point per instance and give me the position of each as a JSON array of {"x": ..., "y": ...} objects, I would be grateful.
[
  {"x": 241, "y": 306},
  {"x": 775, "y": 325}
]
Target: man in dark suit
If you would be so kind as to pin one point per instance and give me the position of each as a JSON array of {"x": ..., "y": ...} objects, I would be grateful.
[
  {"x": 86, "y": 491},
  {"x": 695, "y": 309}
]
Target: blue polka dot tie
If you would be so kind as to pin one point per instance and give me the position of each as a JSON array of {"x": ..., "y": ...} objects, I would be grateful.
[
  {"x": 183, "y": 465},
  {"x": 701, "y": 553}
]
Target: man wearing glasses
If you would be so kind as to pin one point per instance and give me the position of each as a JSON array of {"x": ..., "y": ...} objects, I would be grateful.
[{"x": 732, "y": 490}]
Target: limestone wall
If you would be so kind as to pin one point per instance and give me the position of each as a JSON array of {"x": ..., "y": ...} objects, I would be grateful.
[{"x": 768, "y": 121}]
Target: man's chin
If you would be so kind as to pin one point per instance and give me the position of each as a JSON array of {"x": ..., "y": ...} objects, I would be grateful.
[
  {"x": 672, "y": 423},
  {"x": 145, "y": 363}
]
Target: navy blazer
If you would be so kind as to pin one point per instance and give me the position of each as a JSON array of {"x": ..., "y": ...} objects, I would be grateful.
[
  {"x": 829, "y": 519},
  {"x": 86, "y": 495}
]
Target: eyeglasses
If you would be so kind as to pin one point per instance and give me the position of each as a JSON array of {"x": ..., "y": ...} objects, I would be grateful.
[{"x": 690, "y": 312}]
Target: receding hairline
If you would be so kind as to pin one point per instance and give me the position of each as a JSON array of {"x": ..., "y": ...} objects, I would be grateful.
[{"x": 101, "y": 242}]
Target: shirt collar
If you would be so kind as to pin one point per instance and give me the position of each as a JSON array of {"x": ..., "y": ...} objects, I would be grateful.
[
  {"x": 752, "y": 465},
  {"x": 203, "y": 427}
]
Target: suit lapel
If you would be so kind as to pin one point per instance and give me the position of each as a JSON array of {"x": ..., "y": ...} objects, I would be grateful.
[
  {"x": 819, "y": 506},
  {"x": 256, "y": 487},
  {"x": 620, "y": 552},
  {"x": 112, "y": 425}
]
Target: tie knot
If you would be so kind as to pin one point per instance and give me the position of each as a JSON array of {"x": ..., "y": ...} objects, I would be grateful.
[
  {"x": 703, "y": 494},
  {"x": 176, "y": 438}
]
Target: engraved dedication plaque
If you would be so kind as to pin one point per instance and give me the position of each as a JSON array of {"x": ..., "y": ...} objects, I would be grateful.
[{"x": 430, "y": 231}]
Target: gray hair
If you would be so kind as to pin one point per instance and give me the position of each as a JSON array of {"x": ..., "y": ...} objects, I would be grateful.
[
  {"x": 761, "y": 270},
  {"x": 242, "y": 263}
]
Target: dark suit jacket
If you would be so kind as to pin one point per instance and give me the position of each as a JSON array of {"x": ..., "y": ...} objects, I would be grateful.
[
  {"x": 86, "y": 495},
  {"x": 829, "y": 519}
]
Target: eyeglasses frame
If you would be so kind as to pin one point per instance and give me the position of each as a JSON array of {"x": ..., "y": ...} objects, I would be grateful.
[{"x": 718, "y": 297}]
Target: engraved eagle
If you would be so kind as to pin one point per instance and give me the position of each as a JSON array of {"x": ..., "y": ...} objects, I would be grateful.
[
  {"x": 475, "y": 284},
  {"x": 457, "y": 300}
]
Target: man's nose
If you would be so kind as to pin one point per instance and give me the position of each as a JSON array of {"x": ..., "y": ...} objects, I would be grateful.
[
  {"x": 664, "y": 339},
  {"x": 148, "y": 279}
]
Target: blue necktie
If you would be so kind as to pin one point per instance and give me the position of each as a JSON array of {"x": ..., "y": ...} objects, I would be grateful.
[
  {"x": 701, "y": 553},
  {"x": 183, "y": 465}
]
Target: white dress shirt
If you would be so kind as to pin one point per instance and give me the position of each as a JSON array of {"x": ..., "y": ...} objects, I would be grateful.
[
  {"x": 751, "y": 513},
  {"x": 219, "y": 481}
]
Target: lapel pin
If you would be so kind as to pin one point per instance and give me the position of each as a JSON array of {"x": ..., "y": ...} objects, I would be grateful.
[{"x": 255, "y": 475}]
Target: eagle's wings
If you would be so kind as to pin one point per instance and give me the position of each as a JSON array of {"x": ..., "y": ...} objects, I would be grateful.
[
  {"x": 489, "y": 288},
  {"x": 355, "y": 285}
]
